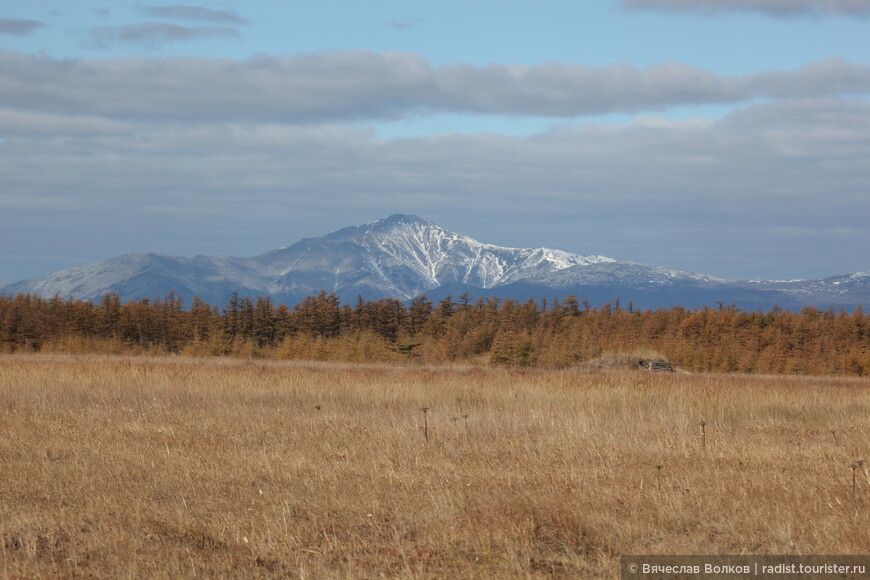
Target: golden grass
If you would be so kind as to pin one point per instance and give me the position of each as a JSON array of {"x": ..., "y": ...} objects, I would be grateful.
[{"x": 116, "y": 467}]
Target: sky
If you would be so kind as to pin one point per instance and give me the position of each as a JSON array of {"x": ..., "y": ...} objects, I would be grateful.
[{"x": 727, "y": 137}]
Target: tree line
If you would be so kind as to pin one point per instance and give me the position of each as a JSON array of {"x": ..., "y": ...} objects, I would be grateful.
[{"x": 548, "y": 334}]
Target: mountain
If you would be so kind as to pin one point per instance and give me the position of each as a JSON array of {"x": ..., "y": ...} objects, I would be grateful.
[{"x": 405, "y": 256}]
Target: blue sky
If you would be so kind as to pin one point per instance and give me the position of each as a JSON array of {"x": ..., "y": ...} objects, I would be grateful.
[{"x": 729, "y": 137}]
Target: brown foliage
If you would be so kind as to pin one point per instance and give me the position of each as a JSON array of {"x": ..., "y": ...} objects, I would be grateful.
[{"x": 492, "y": 331}]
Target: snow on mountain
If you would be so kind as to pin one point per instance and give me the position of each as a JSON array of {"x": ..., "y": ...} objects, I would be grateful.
[
  {"x": 404, "y": 256},
  {"x": 846, "y": 290},
  {"x": 409, "y": 255},
  {"x": 400, "y": 256},
  {"x": 135, "y": 276},
  {"x": 620, "y": 273}
]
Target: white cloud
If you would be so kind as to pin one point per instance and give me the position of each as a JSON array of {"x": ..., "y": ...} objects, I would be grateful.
[{"x": 362, "y": 85}]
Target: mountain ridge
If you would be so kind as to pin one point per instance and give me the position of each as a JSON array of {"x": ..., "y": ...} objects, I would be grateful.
[{"x": 404, "y": 256}]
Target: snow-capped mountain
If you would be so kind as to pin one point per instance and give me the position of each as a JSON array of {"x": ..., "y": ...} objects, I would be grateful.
[
  {"x": 400, "y": 256},
  {"x": 405, "y": 256}
]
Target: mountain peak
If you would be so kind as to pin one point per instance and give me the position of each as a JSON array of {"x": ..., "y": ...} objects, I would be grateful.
[
  {"x": 390, "y": 223},
  {"x": 400, "y": 218}
]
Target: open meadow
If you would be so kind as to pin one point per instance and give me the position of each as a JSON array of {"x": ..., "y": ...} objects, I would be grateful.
[{"x": 114, "y": 467}]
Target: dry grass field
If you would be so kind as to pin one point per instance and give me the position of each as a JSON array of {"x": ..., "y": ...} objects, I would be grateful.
[{"x": 181, "y": 467}]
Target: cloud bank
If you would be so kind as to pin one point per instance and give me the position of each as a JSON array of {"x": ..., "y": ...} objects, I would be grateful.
[
  {"x": 233, "y": 157},
  {"x": 355, "y": 85},
  {"x": 741, "y": 196}
]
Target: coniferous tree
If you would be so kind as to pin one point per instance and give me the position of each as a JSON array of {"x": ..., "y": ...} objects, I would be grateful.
[{"x": 419, "y": 311}]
